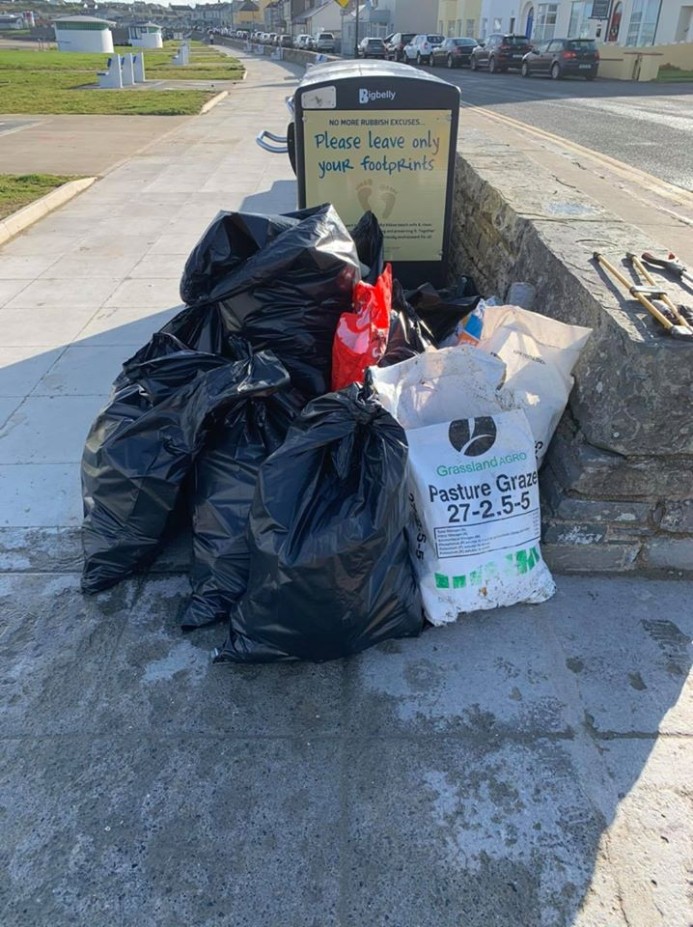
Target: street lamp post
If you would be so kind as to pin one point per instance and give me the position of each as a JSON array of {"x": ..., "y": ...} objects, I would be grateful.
[{"x": 356, "y": 35}]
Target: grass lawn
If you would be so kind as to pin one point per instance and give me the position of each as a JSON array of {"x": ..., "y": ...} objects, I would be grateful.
[
  {"x": 674, "y": 74},
  {"x": 17, "y": 191},
  {"x": 62, "y": 82}
]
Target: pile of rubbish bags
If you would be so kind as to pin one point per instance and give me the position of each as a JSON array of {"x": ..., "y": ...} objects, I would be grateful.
[{"x": 353, "y": 461}]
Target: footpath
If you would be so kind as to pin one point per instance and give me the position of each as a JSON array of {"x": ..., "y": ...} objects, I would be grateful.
[{"x": 528, "y": 766}]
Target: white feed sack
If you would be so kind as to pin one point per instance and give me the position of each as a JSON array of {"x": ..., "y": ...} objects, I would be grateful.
[
  {"x": 473, "y": 483},
  {"x": 539, "y": 354},
  {"x": 475, "y": 503},
  {"x": 439, "y": 386}
]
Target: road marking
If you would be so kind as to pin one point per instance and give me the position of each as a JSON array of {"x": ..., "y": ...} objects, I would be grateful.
[{"x": 16, "y": 125}]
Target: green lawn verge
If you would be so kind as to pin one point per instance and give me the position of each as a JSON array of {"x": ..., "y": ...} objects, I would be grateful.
[
  {"x": 63, "y": 82},
  {"x": 20, "y": 190},
  {"x": 674, "y": 74}
]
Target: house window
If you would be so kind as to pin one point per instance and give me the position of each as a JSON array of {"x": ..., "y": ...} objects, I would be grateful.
[
  {"x": 545, "y": 24},
  {"x": 497, "y": 24},
  {"x": 643, "y": 22},
  {"x": 578, "y": 19},
  {"x": 469, "y": 32},
  {"x": 512, "y": 25}
]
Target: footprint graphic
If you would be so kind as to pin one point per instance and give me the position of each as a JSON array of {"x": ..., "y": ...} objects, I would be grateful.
[
  {"x": 389, "y": 197},
  {"x": 364, "y": 191}
]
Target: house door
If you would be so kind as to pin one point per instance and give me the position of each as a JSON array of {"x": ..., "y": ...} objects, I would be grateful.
[
  {"x": 615, "y": 24},
  {"x": 530, "y": 22}
]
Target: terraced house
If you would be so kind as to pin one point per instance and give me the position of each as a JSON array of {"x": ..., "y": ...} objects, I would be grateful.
[{"x": 629, "y": 23}]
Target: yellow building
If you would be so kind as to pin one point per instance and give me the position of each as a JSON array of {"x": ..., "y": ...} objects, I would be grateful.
[
  {"x": 251, "y": 13},
  {"x": 248, "y": 14},
  {"x": 459, "y": 17}
]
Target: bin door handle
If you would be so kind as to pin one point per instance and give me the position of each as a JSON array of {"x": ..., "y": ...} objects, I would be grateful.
[{"x": 280, "y": 145}]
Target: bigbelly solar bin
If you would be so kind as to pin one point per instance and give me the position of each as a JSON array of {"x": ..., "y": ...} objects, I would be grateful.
[{"x": 380, "y": 136}]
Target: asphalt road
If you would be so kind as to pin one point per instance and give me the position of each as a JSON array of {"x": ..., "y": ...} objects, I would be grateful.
[{"x": 647, "y": 126}]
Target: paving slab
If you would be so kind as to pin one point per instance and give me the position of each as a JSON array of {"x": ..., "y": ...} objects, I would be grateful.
[
  {"x": 528, "y": 766},
  {"x": 79, "y": 145}
]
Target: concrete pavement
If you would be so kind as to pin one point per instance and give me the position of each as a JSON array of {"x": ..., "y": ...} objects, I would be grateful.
[
  {"x": 529, "y": 766},
  {"x": 80, "y": 145}
]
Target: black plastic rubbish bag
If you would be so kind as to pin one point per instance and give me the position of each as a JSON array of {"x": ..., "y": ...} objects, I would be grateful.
[
  {"x": 223, "y": 485},
  {"x": 163, "y": 365},
  {"x": 442, "y": 310},
  {"x": 408, "y": 336},
  {"x": 141, "y": 447},
  {"x": 330, "y": 572},
  {"x": 370, "y": 247},
  {"x": 286, "y": 298},
  {"x": 229, "y": 240}
]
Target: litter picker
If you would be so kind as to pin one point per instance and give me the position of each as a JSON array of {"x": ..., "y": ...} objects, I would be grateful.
[
  {"x": 661, "y": 294},
  {"x": 645, "y": 295},
  {"x": 670, "y": 264}
]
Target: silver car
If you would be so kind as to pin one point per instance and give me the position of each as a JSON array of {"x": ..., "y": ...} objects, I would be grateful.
[{"x": 421, "y": 47}]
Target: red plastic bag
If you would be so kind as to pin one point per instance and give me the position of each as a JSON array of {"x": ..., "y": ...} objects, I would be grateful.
[{"x": 361, "y": 337}]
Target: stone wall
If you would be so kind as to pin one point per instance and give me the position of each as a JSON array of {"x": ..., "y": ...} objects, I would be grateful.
[{"x": 617, "y": 484}]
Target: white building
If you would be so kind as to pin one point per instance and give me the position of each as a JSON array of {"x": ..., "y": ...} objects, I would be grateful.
[
  {"x": 382, "y": 17},
  {"x": 145, "y": 35},
  {"x": 323, "y": 16},
  {"x": 411, "y": 15},
  {"x": 623, "y": 22},
  {"x": 83, "y": 34}
]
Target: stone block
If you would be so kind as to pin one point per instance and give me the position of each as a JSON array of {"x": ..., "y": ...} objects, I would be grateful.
[
  {"x": 592, "y": 472},
  {"x": 622, "y": 532},
  {"x": 633, "y": 515},
  {"x": 668, "y": 553},
  {"x": 633, "y": 385},
  {"x": 576, "y": 534},
  {"x": 678, "y": 517},
  {"x": 591, "y": 558}
]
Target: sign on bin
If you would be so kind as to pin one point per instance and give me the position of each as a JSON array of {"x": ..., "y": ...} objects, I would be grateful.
[
  {"x": 396, "y": 165},
  {"x": 382, "y": 137}
]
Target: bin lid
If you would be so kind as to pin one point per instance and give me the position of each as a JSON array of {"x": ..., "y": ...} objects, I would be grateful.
[{"x": 357, "y": 68}]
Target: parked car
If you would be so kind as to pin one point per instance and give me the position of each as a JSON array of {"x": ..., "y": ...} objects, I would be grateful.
[
  {"x": 395, "y": 43},
  {"x": 421, "y": 47},
  {"x": 301, "y": 41},
  {"x": 271, "y": 38},
  {"x": 285, "y": 41},
  {"x": 371, "y": 47},
  {"x": 453, "y": 53},
  {"x": 323, "y": 42},
  {"x": 501, "y": 52},
  {"x": 562, "y": 58}
]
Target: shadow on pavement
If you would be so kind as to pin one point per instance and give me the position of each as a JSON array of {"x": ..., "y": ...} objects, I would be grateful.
[{"x": 522, "y": 767}]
